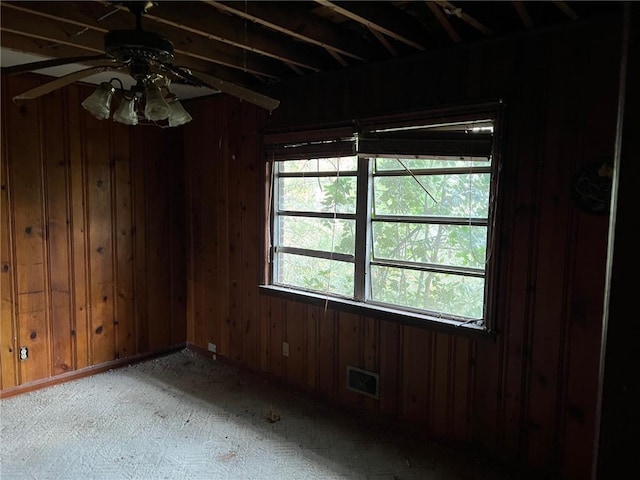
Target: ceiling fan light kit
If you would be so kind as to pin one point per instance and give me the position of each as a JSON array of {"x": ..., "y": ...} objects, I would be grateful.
[
  {"x": 99, "y": 102},
  {"x": 178, "y": 116},
  {"x": 126, "y": 112},
  {"x": 146, "y": 57},
  {"x": 155, "y": 106}
]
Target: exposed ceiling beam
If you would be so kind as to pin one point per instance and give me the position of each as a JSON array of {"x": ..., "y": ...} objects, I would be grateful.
[
  {"x": 446, "y": 25},
  {"x": 81, "y": 19},
  {"x": 385, "y": 43},
  {"x": 299, "y": 25},
  {"x": 566, "y": 9},
  {"x": 41, "y": 35},
  {"x": 294, "y": 68},
  {"x": 279, "y": 40},
  {"x": 522, "y": 13},
  {"x": 223, "y": 28},
  {"x": 338, "y": 58},
  {"x": 20, "y": 21},
  {"x": 451, "y": 9},
  {"x": 369, "y": 23},
  {"x": 42, "y": 48}
]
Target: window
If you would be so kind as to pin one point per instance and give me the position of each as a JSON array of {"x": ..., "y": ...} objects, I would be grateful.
[{"x": 392, "y": 215}]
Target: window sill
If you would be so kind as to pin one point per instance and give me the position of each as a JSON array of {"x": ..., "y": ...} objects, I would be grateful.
[{"x": 377, "y": 311}]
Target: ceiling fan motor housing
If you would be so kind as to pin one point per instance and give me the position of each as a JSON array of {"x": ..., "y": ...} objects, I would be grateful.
[{"x": 137, "y": 46}]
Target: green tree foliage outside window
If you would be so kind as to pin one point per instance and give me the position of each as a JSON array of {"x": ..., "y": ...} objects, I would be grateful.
[{"x": 427, "y": 222}]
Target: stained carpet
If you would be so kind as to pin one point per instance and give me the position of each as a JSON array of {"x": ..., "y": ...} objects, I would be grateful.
[{"x": 183, "y": 416}]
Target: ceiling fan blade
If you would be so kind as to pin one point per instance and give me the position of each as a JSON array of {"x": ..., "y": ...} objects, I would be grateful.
[
  {"x": 62, "y": 82},
  {"x": 54, "y": 62},
  {"x": 238, "y": 91},
  {"x": 206, "y": 80}
]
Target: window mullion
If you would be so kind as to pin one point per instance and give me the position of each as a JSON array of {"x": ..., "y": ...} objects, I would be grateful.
[
  {"x": 427, "y": 257},
  {"x": 275, "y": 230},
  {"x": 363, "y": 222}
]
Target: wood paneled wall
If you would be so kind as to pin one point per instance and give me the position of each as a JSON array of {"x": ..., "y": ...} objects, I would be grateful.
[
  {"x": 92, "y": 237},
  {"x": 224, "y": 171},
  {"x": 528, "y": 397}
]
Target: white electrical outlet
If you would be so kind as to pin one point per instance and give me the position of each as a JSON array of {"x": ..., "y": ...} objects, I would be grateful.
[
  {"x": 212, "y": 347},
  {"x": 285, "y": 349}
]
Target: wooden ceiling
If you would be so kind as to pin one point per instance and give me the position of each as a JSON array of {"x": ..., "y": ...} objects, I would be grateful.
[{"x": 256, "y": 43}]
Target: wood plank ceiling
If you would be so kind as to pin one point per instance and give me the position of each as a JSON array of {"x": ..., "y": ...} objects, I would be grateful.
[{"x": 255, "y": 43}]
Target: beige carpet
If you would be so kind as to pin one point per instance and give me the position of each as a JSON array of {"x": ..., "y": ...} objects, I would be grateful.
[{"x": 183, "y": 417}]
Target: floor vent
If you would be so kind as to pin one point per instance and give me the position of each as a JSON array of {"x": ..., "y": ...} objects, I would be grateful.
[{"x": 363, "y": 382}]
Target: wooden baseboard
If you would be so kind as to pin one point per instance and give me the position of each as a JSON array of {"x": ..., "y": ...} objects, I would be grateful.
[{"x": 87, "y": 371}]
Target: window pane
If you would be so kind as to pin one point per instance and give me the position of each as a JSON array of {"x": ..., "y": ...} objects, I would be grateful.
[
  {"x": 437, "y": 292},
  {"x": 318, "y": 194},
  {"x": 387, "y": 164},
  {"x": 456, "y": 195},
  {"x": 329, "y": 235},
  {"x": 462, "y": 246},
  {"x": 317, "y": 274},
  {"x": 426, "y": 203},
  {"x": 340, "y": 164}
]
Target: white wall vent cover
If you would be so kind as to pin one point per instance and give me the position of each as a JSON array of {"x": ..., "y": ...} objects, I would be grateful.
[{"x": 363, "y": 382}]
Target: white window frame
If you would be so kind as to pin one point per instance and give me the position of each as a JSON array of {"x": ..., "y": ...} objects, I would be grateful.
[{"x": 335, "y": 139}]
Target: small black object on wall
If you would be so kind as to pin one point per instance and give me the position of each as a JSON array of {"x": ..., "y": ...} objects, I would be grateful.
[{"x": 591, "y": 188}]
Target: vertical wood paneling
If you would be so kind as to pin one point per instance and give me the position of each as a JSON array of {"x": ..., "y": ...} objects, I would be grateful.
[
  {"x": 521, "y": 222},
  {"x": 251, "y": 232},
  {"x": 327, "y": 352},
  {"x": 25, "y": 171},
  {"x": 140, "y": 199},
  {"x": 390, "y": 367},
  {"x": 461, "y": 403},
  {"x": 584, "y": 310},
  {"x": 55, "y": 171},
  {"x": 349, "y": 337},
  {"x": 97, "y": 148},
  {"x": 440, "y": 387},
  {"x": 158, "y": 228},
  {"x": 8, "y": 340},
  {"x": 194, "y": 173},
  {"x": 295, "y": 336},
  {"x": 311, "y": 346},
  {"x": 370, "y": 360},
  {"x": 125, "y": 312},
  {"x": 224, "y": 168},
  {"x": 234, "y": 227},
  {"x": 549, "y": 313},
  {"x": 264, "y": 316},
  {"x": 72, "y": 208},
  {"x": 415, "y": 374},
  {"x": 225, "y": 230},
  {"x": 177, "y": 241},
  {"x": 79, "y": 232},
  {"x": 277, "y": 328}
]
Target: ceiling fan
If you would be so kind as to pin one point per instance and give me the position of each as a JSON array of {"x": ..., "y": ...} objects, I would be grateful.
[{"x": 147, "y": 58}]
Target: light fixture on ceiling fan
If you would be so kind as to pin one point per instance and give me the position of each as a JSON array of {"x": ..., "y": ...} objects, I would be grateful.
[
  {"x": 149, "y": 100},
  {"x": 146, "y": 57}
]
